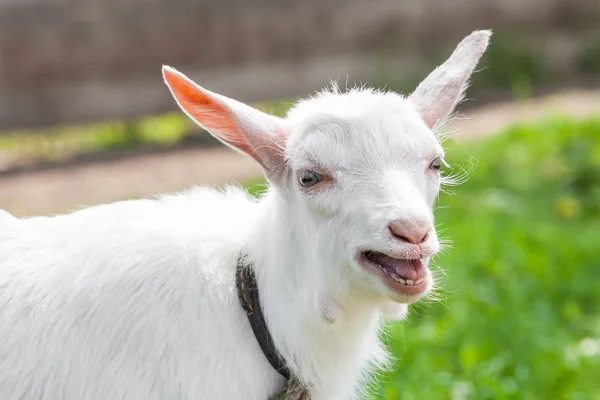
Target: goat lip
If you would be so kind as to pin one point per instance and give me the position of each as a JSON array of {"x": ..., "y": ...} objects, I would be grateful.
[{"x": 407, "y": 277}]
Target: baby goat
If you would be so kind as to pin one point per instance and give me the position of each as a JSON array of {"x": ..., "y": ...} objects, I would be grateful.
[{"x": 137, "y": 299}]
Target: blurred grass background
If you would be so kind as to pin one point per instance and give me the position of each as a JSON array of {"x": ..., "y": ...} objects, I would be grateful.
[{"x": 519, "y": 309}]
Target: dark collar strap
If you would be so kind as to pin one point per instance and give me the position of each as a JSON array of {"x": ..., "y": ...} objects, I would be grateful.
[{"x": 247, "y": 290}]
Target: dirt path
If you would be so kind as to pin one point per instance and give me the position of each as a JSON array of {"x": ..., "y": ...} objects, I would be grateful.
[
  {"x": 490, "y": 119},
  {"x": 61, "y": 190}
]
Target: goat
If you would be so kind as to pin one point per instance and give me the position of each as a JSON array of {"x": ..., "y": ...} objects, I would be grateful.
[{"x": 137, "y": 299}]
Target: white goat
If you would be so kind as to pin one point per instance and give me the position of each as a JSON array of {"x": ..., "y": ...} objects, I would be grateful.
[{"x": 137, "y": 299}]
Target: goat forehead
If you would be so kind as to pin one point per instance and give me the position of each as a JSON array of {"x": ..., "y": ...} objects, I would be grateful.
[
  {"x": 353, "y": 104},
  {"x": 380, "y": 129}
]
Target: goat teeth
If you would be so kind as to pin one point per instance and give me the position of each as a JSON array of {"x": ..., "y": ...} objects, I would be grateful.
[
  {"x": 394, "y": 276},
  {"x": 397, "y": 278},
  {"x": 410, "y": 282},
  {"x": 419, "y": 281}
]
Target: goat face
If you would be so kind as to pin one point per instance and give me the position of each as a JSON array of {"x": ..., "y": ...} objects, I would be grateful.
[
  {"x": 364, "y": 175},
  {"x": 358, "y": 171}
]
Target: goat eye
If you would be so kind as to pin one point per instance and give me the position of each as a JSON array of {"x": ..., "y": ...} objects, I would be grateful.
[
  {"x": 310, "y": 178},
  {"x": 436, "y": 164}
]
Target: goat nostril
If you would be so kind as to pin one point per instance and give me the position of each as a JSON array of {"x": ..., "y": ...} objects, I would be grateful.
[{"x": 402, "y": 238}]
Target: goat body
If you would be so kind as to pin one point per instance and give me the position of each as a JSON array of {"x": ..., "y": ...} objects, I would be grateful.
[{"x": 137, "y": 299}]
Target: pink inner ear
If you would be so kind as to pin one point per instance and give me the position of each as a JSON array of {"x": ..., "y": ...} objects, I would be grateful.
[
  {"x": 441, "y": 103},
  {"x": 209, "y": 113}
]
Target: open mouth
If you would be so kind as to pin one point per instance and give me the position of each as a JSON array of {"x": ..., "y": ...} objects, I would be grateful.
[{"x": 403, "y": 276}]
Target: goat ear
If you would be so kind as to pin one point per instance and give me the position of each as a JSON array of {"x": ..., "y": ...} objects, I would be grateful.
[
  {"x": 436, "y": 97},
  {"x": 237, "y": 125}
]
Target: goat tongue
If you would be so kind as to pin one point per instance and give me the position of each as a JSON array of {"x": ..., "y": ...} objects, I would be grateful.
[{"x": 406, "y": 269}]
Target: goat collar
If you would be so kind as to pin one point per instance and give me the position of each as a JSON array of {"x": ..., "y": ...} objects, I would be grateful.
[{"x": 247, "y": 291}]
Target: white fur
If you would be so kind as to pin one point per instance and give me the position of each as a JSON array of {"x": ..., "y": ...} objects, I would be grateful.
[{"x": 137, "y": 299}]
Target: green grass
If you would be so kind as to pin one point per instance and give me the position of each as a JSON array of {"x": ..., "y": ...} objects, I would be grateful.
[
  {"x": 519, "y": 316},
  {"x": 62, "y": 143}
]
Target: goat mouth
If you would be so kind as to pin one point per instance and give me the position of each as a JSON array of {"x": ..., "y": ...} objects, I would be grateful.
[{"x": 407, "y": 277}]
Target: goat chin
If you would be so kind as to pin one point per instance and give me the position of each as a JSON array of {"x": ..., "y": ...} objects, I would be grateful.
[{"x": 137, "y": 299}]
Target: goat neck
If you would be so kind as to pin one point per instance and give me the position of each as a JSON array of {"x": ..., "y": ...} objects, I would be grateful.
[{"x": 326, "y": 335}]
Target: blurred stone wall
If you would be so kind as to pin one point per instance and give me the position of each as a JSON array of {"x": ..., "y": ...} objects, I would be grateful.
[{"x": 81, "y": 60}]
